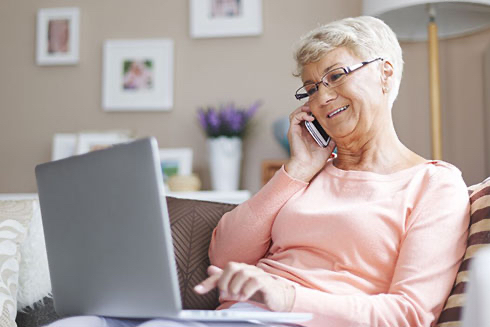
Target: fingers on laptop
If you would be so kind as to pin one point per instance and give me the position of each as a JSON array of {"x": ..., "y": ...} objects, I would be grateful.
[
  {"x": 236, "y": 282},
  {"x": 239, "y": 281},
  {"x": 209, "y": 283},
  {"x": 213, "y": 270}
]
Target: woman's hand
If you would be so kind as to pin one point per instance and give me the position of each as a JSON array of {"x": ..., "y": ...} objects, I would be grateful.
[
  {"x": 307, "y": 157},
  {"x": 242, "y": 282}
]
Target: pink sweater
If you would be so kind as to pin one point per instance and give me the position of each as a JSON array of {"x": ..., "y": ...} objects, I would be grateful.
[{"x": 360, "y": 248}]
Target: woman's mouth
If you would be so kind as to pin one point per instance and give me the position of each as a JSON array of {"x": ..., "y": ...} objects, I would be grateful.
[{"x": 336, "y": 112}]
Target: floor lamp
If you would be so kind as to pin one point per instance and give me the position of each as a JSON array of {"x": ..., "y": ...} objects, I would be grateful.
[{"x": 419, "y": 20}]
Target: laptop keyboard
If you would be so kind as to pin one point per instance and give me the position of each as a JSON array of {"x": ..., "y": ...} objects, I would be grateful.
[{"x": 208, "y": 313}]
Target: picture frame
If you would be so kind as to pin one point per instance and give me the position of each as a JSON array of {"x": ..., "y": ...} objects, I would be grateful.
[
  {"x": 138, "y": 75},
  {"x": 64, "y": 145},
  {"x": 225, "y": 18},
  {"x": 58, "y": 36},
  {"x": 175, "y": 161},
  {"x": 92, "y": 141}
]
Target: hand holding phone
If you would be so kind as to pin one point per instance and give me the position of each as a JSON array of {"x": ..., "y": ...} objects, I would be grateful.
[
  {"x": 318, "y": 133},
  {"x": 307, "y": 158}
]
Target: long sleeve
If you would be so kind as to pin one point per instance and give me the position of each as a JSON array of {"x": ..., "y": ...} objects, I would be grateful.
[
  {"x": 430, "y": 252},
  {"x": 244, "y": 234}
]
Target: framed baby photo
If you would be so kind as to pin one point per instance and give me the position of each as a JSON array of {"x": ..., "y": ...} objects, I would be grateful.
[
  {"x": 58, "y": 36},
  {"x": 138, "y": 75},
  {"x": 225, "y": 18}
]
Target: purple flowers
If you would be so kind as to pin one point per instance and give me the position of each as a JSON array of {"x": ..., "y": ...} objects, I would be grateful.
[{"x": 228, "y": 120}]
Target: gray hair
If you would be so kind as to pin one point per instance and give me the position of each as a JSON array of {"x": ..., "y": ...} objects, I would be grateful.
[{"x": 366, "y": 36}]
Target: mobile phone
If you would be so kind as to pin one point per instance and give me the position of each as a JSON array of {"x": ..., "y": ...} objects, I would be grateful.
[{"x": 318, "y": 133}]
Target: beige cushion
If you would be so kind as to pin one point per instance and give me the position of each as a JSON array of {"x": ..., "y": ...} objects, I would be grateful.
[
  {"x": 15, "y": 217},
  {"x": 479, "y": 236}
]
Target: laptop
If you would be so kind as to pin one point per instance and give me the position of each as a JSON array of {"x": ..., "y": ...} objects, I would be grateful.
[{"x": 108, "y": 238}]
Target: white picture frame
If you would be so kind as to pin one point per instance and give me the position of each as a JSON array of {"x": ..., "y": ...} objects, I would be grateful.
[
  {"x": 218, "y": 18},
  {"x": 87, "y": 142},
  {"x": 175, "y": 161},
  {"x": 138, "y": 75},
  {"x": 58, "y": 36},
  {"x": 64, "y": 146}
]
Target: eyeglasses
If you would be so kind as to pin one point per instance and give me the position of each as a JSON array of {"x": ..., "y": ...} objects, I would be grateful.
[{"x": 331, "y": 79}]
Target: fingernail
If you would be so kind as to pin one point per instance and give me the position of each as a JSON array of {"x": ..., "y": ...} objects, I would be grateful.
[{"x": 199, "y": 288}]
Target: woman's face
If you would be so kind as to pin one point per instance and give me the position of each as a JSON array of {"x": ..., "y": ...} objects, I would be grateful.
[{"x": 361, "y": 94}]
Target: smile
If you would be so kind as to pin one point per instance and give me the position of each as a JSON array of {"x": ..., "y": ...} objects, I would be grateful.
[{"x": 330, "y": 115}]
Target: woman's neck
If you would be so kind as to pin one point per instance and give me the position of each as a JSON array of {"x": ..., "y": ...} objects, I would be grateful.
[{"x": 379, "y": 151}]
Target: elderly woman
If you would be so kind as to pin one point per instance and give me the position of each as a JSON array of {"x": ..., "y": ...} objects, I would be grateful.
[{"x": 371, "y": 237}]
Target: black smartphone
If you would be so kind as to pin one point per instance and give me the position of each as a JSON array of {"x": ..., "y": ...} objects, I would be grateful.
[{"x": 318, "y": 133}]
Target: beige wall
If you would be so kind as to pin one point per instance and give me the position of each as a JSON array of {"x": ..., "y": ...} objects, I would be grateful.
[{"x": 38, "y": 101}]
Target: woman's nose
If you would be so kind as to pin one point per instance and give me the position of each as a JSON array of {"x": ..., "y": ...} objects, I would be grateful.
[{"x": 325, "y": 94}]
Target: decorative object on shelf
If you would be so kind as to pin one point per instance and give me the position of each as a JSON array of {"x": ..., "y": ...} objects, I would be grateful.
[
  {"x": 280, "y": 127},
  {"x": 225, "y": 18},
  {"x": 415, "y": 20},
  {"x": 270, "y": 167},
  {"x": 138, "y": 75},
  {"x": 225, "y": 157},
  {"x": 58, "y": 36},
  {"x": 64, "y": 145},
  {"x": 184, "y": 183},
  {"x": 175, "y": 161},
  {"x": 225, "y": 128}
]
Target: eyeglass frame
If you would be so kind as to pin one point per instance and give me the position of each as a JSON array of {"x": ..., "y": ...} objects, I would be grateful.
[{"x": 347, "y": 71}]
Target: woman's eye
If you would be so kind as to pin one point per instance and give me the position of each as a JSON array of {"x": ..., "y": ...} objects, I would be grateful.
[
  {"x": 335, "y": 77},
  {"x": 310, "y": 89}
]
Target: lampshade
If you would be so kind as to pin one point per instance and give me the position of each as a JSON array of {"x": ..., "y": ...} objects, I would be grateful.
[{"x": 408, "y": 18}]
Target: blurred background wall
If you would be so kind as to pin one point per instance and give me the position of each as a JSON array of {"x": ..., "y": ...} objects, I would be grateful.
[{"x": 38, "y": 101}]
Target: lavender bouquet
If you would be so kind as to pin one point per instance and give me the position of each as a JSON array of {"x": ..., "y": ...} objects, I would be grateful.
[{"x": 228, "y": 120}]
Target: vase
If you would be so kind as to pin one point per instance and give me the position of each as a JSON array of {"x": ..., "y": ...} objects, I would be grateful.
[{"x": 225, "y": 156}]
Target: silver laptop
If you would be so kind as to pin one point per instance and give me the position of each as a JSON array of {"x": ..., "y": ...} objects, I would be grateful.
[{"x": 108, "y": 238}]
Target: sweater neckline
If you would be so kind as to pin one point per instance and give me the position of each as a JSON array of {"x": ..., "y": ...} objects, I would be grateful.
[{"x": 369, "y": 175}]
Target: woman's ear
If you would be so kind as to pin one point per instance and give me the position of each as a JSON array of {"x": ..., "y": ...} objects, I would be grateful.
[{"x": 387, "y": 74}]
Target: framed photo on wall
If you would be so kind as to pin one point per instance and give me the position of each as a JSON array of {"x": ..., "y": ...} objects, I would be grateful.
[
  {"x": 138, "y": 75},
  {"x": 58, "y": 36},
  {"x": 225, "y": 18}
]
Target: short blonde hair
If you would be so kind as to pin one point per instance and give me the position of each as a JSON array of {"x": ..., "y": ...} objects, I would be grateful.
[{"x": 367, "y": 37}]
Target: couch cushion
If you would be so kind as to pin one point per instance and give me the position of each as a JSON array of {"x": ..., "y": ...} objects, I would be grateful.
[
  {"x": 34, "y": 281},
  {"x": 479, "y": 236},
  {"x": 39, "y": 314},
  {"x": 192, "y": 225},
  {"x": 14, "y": 223}
]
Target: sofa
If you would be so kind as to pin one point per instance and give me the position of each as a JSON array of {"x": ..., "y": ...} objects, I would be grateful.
[{"x": 192, "y": 222}]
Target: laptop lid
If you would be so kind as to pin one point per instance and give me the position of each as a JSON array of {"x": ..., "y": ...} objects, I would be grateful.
[{"x": 105, "y": 221}]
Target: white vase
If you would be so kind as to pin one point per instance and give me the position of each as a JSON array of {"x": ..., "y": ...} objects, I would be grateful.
[{"x": 225, "y": 156}]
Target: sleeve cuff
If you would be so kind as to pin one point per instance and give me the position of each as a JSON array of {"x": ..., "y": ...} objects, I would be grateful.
[{"x": 276, "y": 192}]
